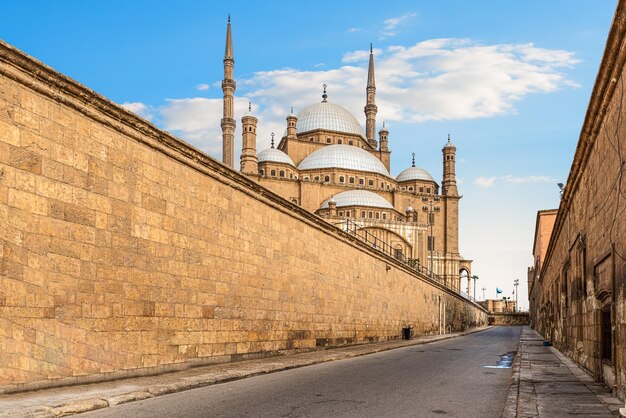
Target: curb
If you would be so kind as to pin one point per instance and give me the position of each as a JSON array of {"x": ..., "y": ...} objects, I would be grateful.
[
  {"x": 512, "y": 397},
  {"x": 77, "y": 407}
]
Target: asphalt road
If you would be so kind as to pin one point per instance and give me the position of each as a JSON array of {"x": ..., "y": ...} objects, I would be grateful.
[{"x": 445, "y": 378}]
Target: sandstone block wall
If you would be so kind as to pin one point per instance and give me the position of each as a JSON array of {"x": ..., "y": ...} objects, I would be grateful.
[
  {"x": 579, "y": 296},
  {"x": 124, "y": 250}
]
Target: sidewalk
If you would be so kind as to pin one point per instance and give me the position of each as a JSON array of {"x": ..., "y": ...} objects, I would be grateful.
[
  {"x": 548, "y": 384},
  {"x": 82, "y": 398}
]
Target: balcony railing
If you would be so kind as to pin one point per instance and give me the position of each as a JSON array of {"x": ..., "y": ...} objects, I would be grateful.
[{"x": 370, "y": 239}]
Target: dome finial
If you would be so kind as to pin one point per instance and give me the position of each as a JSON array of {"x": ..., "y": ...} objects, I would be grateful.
[
  {"x": 324, "y": 95},
  {"x": 413, "y": 161},
  {"x": 272, "y": 139}
]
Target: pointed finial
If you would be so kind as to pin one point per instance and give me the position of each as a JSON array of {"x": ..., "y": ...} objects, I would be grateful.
[
  {"x": 371, "y": 48},
  {"x": 249, "y": 106},
  {"x": 324, "y": 96},
  {"x": 448, "y": 138},
  {"x": 413, "y": 161},
  {"x": 292, "y": 110},
  {"x": 383, "y": 124},
  {"x": 228, "y": 17},
  {"x": 272, "y": 139}
]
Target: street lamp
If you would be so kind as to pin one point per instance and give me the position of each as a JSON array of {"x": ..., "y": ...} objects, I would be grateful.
[
  {"x": 430, "y": 208},
  {"x": 516, "y": 283},
  {"x": 475, "y": 277}
]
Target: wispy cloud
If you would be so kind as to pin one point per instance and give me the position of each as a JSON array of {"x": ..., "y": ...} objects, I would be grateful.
[
  {"x": 352, "y": 30},
  {"x": 510, "y": 179},
  {"x": 391, "y": 25},
  {"x": 202, "y": 87},
  {"x": 319, "y": 65},
  {"x": 141, "y": 109},
  {"x": 433, "y": 80},
  {"x": 485, "y": 181}
]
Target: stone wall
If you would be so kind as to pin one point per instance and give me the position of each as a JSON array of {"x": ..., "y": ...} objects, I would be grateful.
[
  {"x": 579, "y": 301},
  {"x": 126, "y": 251},
  {"x": 509, "y": 318}
]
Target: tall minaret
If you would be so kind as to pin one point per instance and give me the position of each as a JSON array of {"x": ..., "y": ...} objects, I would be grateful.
[
  {"x": 249, "y": 161},
  {"x": 449, "y": 173},
  {"x": 228, "y": 87},
  {"x": 370, "y": 106}
]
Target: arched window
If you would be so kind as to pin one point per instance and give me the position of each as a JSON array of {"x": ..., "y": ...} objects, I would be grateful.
[
  {"x": 371, "y": 183},
  {"x": 384, "y": 216},
  {"x": 340, "y": 213},
  {"x": 377, "y": 215},
  {"x": 370, "y": 214},
  {"x": 273, "y": 172},
  {"x": 328, "y": 140},
  {"x": 350, "y": 142},
  {"x": 421, "y": 190},
  {"x": 282, "y": 173},
  {"x": 327, "y": 179},
  {"x": 362, "y": 182},
  {"x": 410, "y": 188},
  {"x": 317, "y": 178},
  {"x": 347, "y": 214},
  {"x": 428, "y": 190},
  {"x": 363, "y": 214},
  {"x": 342, "y": 179},
  {"x": 261, "y": 171},
  {"x": 339, "y": 141},
  {"x": 351, "y": 180}
]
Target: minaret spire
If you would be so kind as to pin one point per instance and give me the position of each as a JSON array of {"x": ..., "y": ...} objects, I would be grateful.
[
  {"x": 370, "y": 105},
  {"x": 228, "y": 88}
]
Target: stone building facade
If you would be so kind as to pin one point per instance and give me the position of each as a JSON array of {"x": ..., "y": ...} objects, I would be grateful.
[
  {"x": 125, "y": 251},
  {"x": 326, "y": 163},
  {"x": 578, "y": 292}
]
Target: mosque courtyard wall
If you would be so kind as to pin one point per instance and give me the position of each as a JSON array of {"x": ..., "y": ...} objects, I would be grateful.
[{"x": 126, "y": 251}]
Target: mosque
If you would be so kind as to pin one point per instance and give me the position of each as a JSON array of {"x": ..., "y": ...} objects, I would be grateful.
[{"x": 327, "y": 164}]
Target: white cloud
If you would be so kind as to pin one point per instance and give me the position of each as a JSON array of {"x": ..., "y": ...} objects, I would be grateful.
[
  {"x": 390, "y": 25},
  {"x": 202, "y": 87},
  {"x": 485, "y": 181},
  {"x": 491, "y": 181},
  {"x": 140, "y": 109},
  {"x": 352, "y": 30},
  {"x": 319, "y": 64},
  {"x": 433, "y": 80}
]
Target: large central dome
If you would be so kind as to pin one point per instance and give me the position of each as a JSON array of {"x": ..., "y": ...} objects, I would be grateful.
[
  {"x": 330, "y": 117},
  {"x": 343, "y": 156}
]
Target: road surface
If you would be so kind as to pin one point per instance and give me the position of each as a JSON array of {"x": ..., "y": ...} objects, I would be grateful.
[{"x": 446, "y": 378}]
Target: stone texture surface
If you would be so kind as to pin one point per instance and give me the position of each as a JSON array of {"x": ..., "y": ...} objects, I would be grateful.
[
  {"x": 82, "y": 398},
  {"x": 126, "y": 251},
  {"x": 578, "y": 300},
  {"x": 548, "y": 384}
]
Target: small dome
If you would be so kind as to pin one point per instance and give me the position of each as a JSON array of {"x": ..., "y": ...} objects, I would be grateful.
[
  {"x": 414, "y": 173},
  {"x": 449, "y": 144},
  {"x": 409, "y": 209},
  {"x": 359, "y": 198},
  {"x": 343, "y": 156},
  {"x": 274, "y": 155},
  {"x": 328, "y": 116}
]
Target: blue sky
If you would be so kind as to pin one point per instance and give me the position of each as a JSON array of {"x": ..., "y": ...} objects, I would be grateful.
[{"x": 510, "y": 81}]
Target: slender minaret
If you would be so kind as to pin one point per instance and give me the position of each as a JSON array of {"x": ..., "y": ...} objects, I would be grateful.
[
  {"x": 370, "y": 106},
  {"x": 292, "y": 121},
  {"x": 249, "y": 161},
  {"x": 383, "y": 136},
  {"x": 228, "y": 87},
  {"x": 449, "y": 173}
]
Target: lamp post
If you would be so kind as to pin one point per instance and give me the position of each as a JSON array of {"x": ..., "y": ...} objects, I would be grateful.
[
  {"x": 516, "y": 283},
  {"x": 483, "y": 289},
  {"x": 475, "y": 277},
  {"x": 430, "y": 208}
]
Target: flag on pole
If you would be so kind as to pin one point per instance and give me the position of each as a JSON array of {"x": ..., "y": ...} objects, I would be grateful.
[{"x": 498, "y": 290}]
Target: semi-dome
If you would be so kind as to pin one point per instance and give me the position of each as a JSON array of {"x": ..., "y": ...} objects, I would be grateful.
[
  {"x": 328, "y": 116},
  {"x": 414, "y": 173},
  {"x": 274, "y": 155},
  {"x": 359, "y": 198},
  {"x": 343, "y": 156}
]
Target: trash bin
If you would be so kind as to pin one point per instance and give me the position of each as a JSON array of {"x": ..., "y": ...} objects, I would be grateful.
[{"x": 407, "y": 333}]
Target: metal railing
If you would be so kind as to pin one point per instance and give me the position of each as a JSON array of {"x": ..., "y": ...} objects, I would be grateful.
[{"x": 370, "y": 239}]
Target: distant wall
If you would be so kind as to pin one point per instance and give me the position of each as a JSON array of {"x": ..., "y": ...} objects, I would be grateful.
[
  {"x": 509, "y": 319},
  {"x": 125, "y": 251}
]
